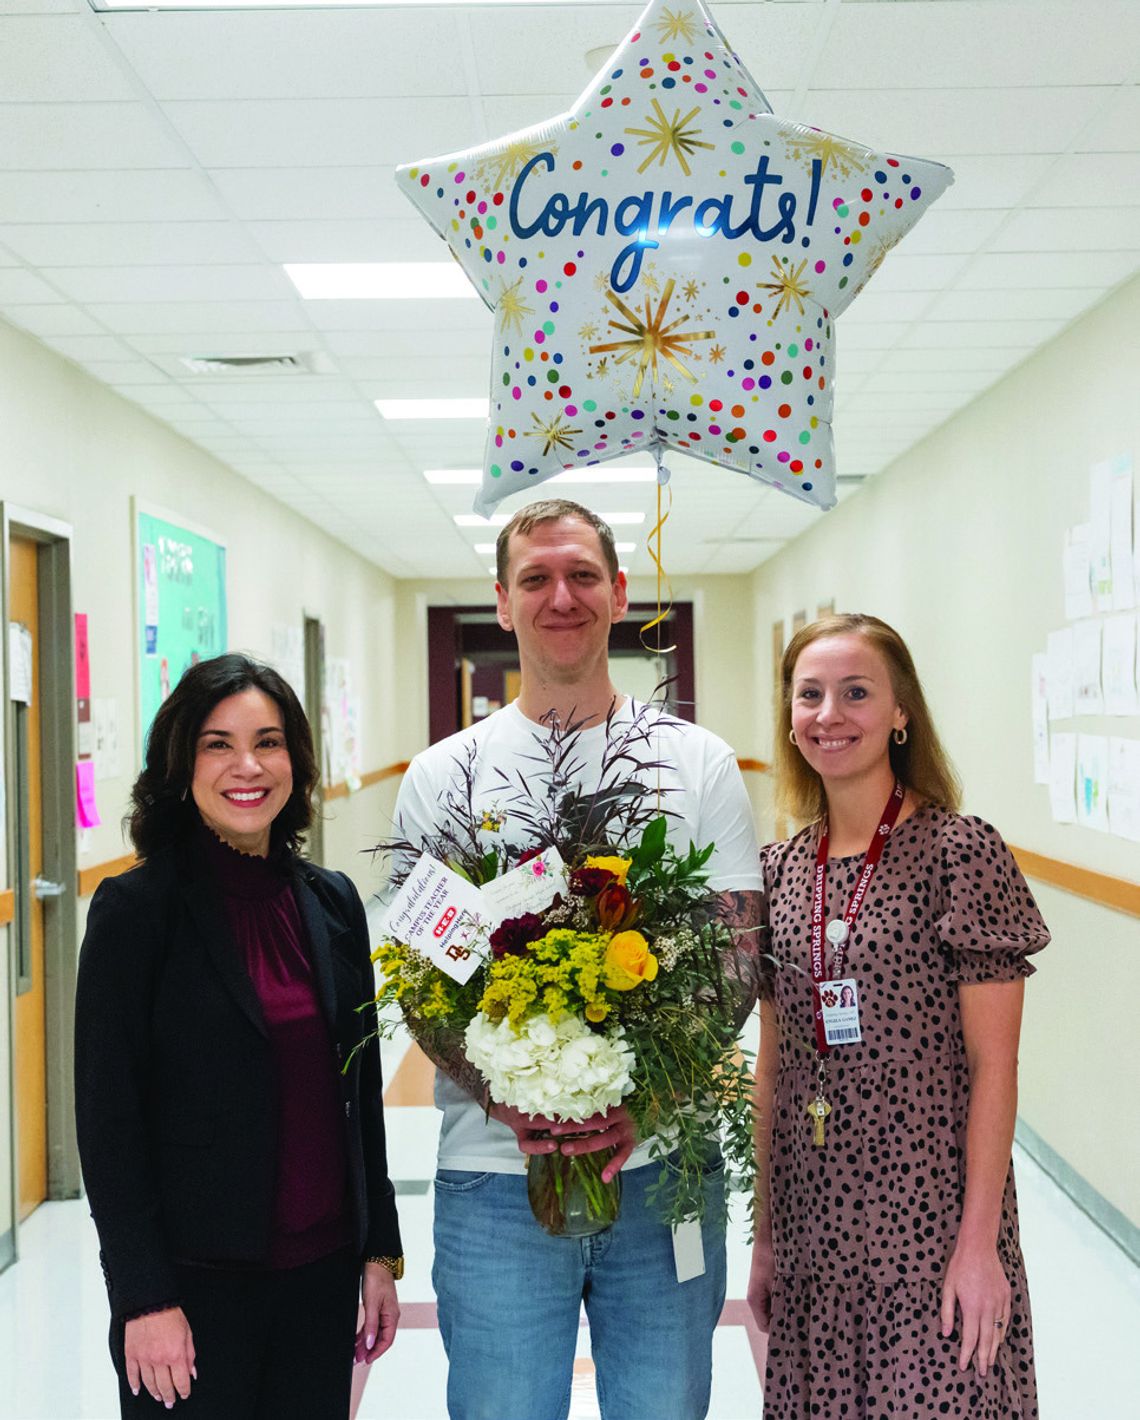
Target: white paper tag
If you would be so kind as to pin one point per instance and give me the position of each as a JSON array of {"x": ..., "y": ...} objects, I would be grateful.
[
  {"x": 840, "y": 1003},
  {"x": 440, "y": 914},
  {"x": 531, "y": 887},
  {"x": 688, "y": 1251}
]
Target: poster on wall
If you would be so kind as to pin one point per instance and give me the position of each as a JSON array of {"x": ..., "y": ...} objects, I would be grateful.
[{"x": 180, "y": 604}]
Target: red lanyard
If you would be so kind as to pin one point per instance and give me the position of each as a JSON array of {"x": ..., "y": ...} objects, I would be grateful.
[{"x": 819, "y": 894}]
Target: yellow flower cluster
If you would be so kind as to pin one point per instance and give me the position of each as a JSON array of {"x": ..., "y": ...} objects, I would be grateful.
[
  {"x": 408, "y": 974},
  {"x": 560, "y": 975}
]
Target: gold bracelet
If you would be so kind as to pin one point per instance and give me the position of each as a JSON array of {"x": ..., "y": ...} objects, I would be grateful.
[{"x": 395, "y": 1265}]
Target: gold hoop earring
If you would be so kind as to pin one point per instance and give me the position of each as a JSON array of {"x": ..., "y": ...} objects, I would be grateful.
[
  {"x": 792, "y": 737},
  {"x": 899, "y": 736}
]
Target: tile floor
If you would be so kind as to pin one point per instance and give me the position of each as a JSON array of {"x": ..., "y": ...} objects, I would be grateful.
[{"x": 53, "y": 1355}]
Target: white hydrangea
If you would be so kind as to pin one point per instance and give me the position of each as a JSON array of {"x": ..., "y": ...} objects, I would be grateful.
[{"x": 563, "y": 1070}]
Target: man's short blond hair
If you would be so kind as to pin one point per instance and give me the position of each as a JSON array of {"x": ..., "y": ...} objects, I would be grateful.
[{"x": 553, "y": 510}]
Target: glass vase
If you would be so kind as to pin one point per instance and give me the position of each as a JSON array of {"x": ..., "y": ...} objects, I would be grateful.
[{"x": 567, "y": 1194}]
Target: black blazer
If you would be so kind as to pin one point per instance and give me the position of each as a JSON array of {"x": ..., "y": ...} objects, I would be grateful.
[{"x": 174, "y": 1085}]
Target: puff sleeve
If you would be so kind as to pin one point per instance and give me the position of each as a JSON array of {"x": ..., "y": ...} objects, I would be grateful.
[{"x": 990, "y": 923}]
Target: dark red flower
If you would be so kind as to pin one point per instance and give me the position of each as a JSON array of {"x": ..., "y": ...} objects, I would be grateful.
[
  {"x": 616, "y": 907},
  {"x": 512, "y": 937},
  {"x": 530, "y": 855},
  {"x": 588, "y": 882}
]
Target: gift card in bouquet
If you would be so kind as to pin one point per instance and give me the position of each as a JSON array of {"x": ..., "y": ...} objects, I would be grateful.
[
  {"x": 531, "y": 887},
  {"x": 441, "y": 915}
]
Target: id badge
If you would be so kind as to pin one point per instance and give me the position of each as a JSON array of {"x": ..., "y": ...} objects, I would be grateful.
[{"x": 840, "y": 1002}]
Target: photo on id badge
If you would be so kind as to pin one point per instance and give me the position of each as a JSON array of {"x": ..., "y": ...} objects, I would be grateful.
[{"x": 840, "y": 1003}]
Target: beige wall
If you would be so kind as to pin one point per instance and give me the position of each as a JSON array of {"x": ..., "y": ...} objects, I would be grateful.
[
  {"x": 73, "y": 450},
  {"x": 958, "y": 545}
]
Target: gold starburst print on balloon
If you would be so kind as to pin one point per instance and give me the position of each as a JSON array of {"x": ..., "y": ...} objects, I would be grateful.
[
  {"x": 650, "y": 339},
  {"x": 555, "y": 433},
  {"x": 788, "y": 282},
  {"x": 511, "y": 308},
  {"x": 497, "y": 169},
  {"x": 677, "y": 24},
  {"x": 665, "y": 136},
  {"x": 807, "y": 144}
]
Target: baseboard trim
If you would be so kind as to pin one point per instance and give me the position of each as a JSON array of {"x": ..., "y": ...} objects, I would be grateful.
[{"x": 1123, "y": 1232}]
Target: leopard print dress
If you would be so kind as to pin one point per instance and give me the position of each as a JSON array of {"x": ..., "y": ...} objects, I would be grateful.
[{"x": 863, "y": 1228}]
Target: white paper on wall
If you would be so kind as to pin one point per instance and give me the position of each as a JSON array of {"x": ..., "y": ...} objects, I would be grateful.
[
  {"x": 1088, "y": 698},
  {"x": 1100, "y": 534},
  {"x": 1039, "y": 700},
  {"x": 288, "y": 656},
  {"x": 1076, "y": 569},
  {"x": 1063, "y": 776},
  {"x": 1124, "y": 788},
  {"x": 1120, "y": 535},
  {"x": 1118, "y": 671},
  {"x": 1061, "y": 673},
  {"x": 105, "y": 719},
  {"x": 19, "y": 663},
  {"x": 1092, "y": 781}
]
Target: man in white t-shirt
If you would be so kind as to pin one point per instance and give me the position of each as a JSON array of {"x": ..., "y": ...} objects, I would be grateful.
[{"x": 509, "y": 1294}]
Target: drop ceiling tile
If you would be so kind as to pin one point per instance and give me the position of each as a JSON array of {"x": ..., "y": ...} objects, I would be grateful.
[
  {"x": 197, "y": 319},
  {"x": 95, "y": 284},
  {"x": 410, "y": 239},
  {"x": 376, "y": 373},
  {"x": 131, "y": 244},
  {"x": 992, "y": 361},
  {"x": 298, "y": 341},
  {"x": 946, "y": 334},
  {"x": 23, "y": 288},
  {"x": 944, "y": 231},
  {"x": 265, "y": 133},
  {"x": 511, "y": 113},
  {"x": 226, "y": 392},
  {"x": 1009, "y": 305},
  {"x": 52, "y": 320},
  {"x": 554, "y": 38},
  {"x": 86, "y": 135},
  {"x": 443, "y": 317},
  {"x": 1027, "y": 43},
  {"x": 1063, "y": 229},
  {"x": 1090, "y": 180},
  {"x": 1117, "y": 129},
  {"x": 1006, "y": 270},
  {"x": 927, "y": 122},
  {"x": 904, "y": 271},
  {"x": 61, "y": 59},
  {"x": 89, "y": 347},
  {"x": 115, "y": 196},
  {"x": 875, "y": 303},
  {"x": 993, "y": 180},
  {"x": 278, "y": 194},
  {"x": 123, "y": 374}
]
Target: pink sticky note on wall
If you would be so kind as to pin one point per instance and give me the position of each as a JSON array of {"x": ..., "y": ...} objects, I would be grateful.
[
  {"x": 86, "y": 811},
  {"x": 82, "y": 658}
]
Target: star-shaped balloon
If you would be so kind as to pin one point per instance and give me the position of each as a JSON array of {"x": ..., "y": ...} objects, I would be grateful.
[{"x": 666, "y": 262}]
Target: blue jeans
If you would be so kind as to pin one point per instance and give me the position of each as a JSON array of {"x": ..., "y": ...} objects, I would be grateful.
[{"x": 510, "y": 1296}]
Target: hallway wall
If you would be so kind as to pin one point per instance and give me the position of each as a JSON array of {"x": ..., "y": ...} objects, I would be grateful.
[{"x": 958, "y": 545}]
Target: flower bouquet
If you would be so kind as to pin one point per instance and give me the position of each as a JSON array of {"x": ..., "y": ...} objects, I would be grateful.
[{"x": 620, "y": 987}]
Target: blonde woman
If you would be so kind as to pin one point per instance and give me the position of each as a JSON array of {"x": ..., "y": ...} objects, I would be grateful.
[{"x": 887, "y": 1268}]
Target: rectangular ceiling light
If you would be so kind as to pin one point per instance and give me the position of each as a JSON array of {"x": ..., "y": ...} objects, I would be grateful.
[
  {"x": 433, "y": 408},
  {"x": 379, "y": 280},
  {"x": 601, "y": 473}
]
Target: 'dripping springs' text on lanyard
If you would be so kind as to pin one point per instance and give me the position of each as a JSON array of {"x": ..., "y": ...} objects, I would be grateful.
[{"x": 834, "y": 998}]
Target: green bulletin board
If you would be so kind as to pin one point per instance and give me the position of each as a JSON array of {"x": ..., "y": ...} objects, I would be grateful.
[{"x": 180, "y": 608}]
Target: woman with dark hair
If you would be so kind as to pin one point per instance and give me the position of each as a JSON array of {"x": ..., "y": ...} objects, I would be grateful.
[
  {"x": 236, "y": 1170},
  {"x": 886, "y": 1267}
]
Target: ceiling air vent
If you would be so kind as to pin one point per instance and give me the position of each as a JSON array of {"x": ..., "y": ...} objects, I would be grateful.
[{"x": 252, "y": 364}]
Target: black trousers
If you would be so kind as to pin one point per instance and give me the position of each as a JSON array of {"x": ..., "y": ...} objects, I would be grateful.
[{"x": 269, "y": 1345}]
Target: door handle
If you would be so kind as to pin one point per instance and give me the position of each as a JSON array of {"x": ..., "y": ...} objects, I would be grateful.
[{"x": 44, "y": 887}]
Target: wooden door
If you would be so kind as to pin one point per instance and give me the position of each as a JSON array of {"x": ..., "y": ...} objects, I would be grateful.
[{"x": 26, "y": 801}]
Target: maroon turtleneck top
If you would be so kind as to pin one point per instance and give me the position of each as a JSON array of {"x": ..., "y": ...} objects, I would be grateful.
[{"x": 310, "y": 1216}]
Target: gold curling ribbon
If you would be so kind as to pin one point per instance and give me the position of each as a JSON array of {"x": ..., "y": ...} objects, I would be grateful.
[{"x": 662, "y": 576}]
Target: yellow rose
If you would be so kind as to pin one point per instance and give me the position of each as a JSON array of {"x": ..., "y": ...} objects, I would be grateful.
[
  {"x": 618, "y": 866},
  {"x": 629, "y": 961}
]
